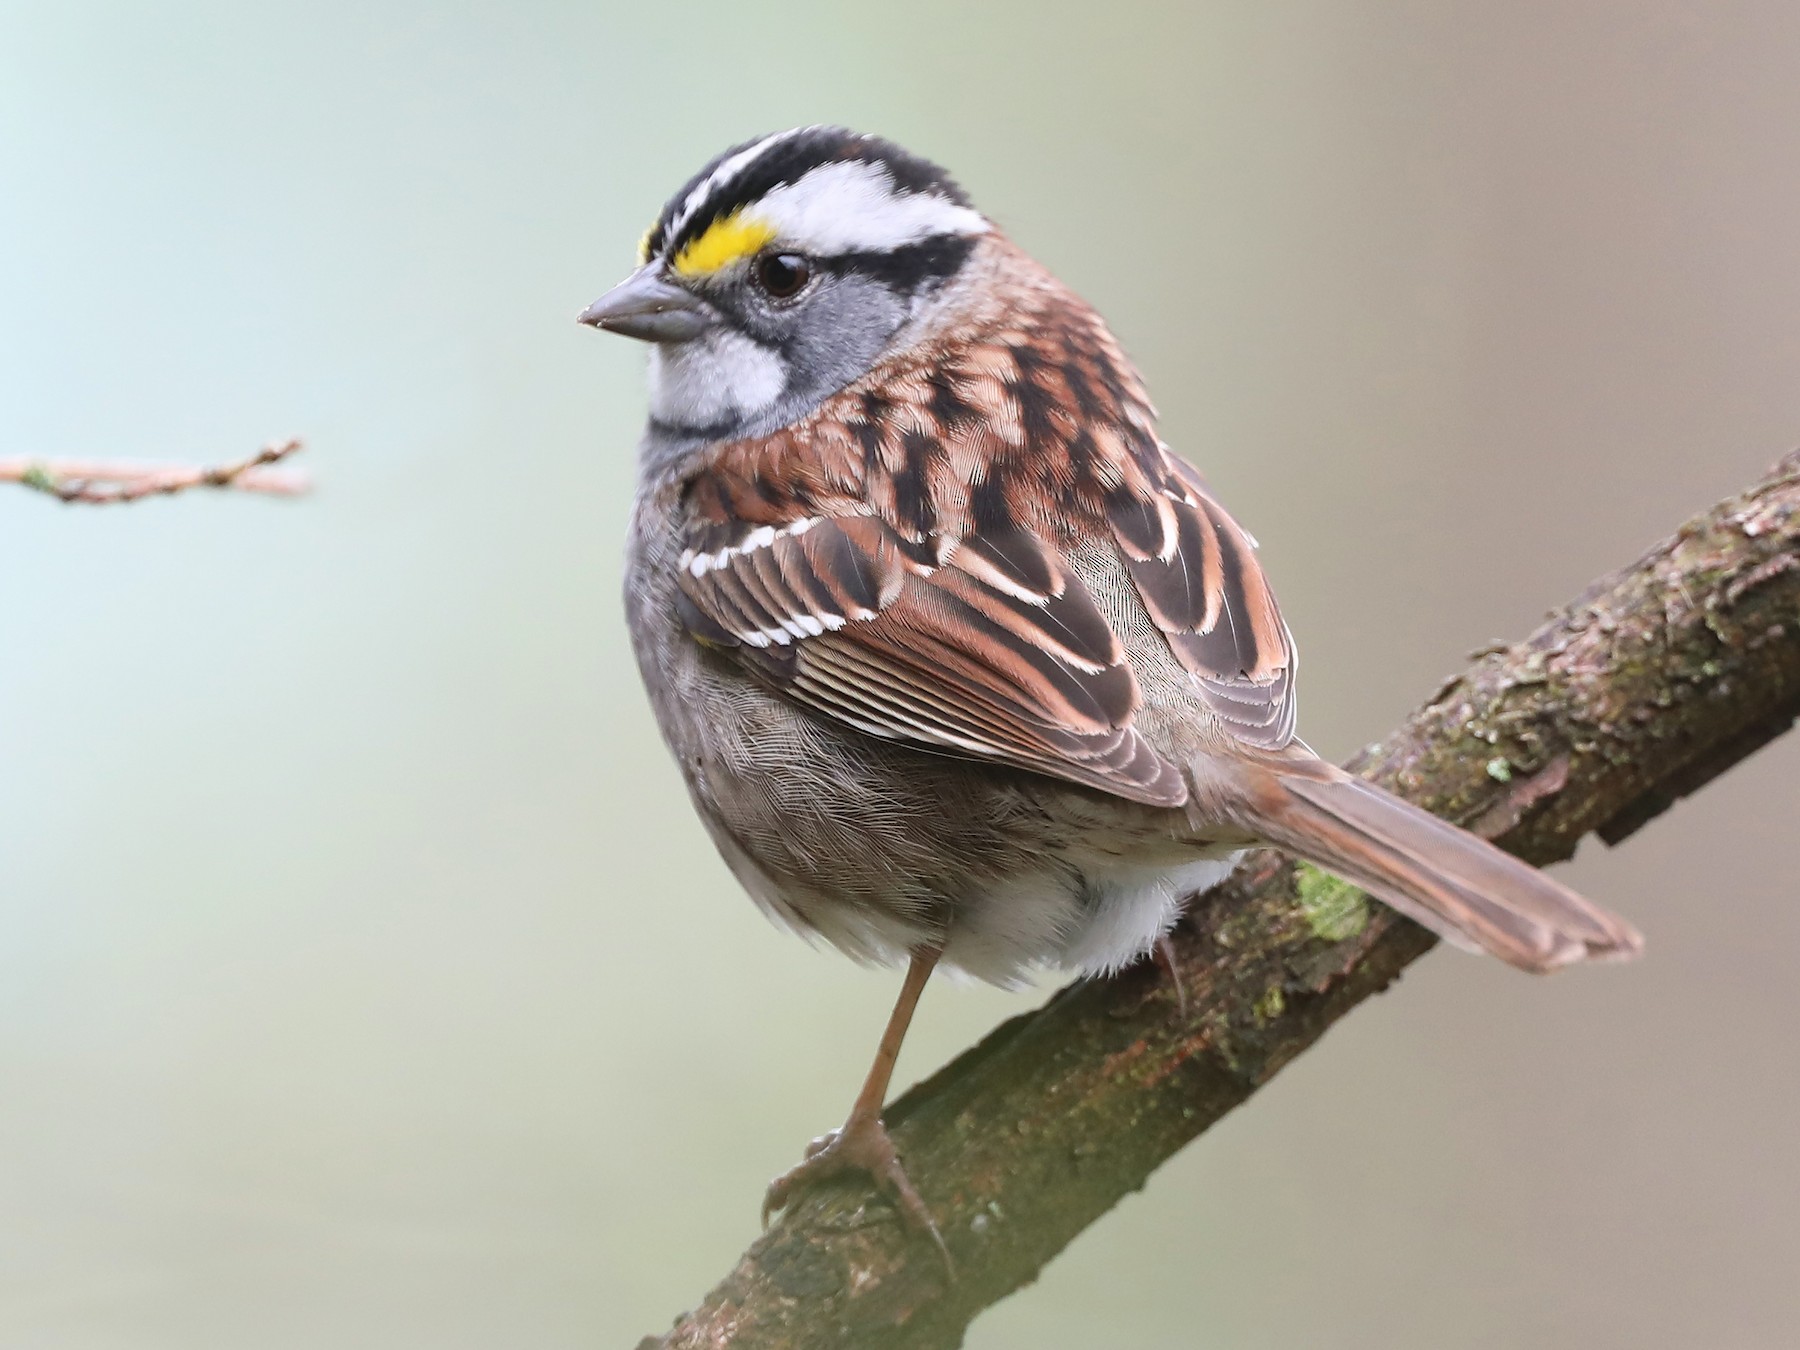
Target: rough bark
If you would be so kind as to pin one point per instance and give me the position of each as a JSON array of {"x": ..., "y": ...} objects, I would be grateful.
[{"x": 1656, "y": 679}]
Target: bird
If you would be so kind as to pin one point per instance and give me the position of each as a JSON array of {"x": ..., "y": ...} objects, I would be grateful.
[{"x": 963, "y": 666}]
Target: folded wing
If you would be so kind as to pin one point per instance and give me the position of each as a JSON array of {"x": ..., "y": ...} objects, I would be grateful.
[
  {"x": 1197, "y": 573},
  {"x": 985, "y": 645}
]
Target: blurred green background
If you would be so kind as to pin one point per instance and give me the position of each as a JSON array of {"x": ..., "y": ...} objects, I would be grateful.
[{"x": 364, "y": 979}]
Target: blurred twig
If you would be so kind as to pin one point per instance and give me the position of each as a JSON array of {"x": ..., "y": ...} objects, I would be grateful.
[
  {"x": 102, "y": 481},
  {"x": 1654, "y": 680}
]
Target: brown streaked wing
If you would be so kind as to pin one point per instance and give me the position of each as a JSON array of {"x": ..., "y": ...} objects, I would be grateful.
[
  {"x": 988, "y": 646},
  {"x": 1197, "y": 573}
]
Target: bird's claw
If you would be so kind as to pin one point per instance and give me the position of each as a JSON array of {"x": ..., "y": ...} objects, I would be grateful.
[
  {"x": 1163, "y": 953},
  {"x": 860, "y": 1146}
]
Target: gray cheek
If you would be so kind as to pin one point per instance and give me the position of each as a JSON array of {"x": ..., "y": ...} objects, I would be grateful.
[{"x": 840, "y": 333}]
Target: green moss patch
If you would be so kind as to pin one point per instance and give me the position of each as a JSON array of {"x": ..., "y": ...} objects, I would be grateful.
[{"x": 1334, "y": 909}]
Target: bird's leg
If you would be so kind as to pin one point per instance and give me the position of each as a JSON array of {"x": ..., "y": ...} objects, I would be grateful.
[
  {"x": 1163, "y": 953},
  {"x": 861, "y": 1144}
]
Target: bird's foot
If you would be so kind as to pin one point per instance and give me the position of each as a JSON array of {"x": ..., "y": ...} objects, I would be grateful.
[{"x": 861, "y": 1145}]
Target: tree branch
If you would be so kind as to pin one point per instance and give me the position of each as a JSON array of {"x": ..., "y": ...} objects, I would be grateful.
[
  {"x": 104, "y": 481},
  {"x": 1653, "y": 681}
]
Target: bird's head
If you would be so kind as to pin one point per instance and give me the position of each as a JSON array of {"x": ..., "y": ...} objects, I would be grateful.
[{"x": 782, "y": 271}]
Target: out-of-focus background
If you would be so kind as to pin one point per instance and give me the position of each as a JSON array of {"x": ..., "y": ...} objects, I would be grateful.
[{"x": 364, "y": 979}]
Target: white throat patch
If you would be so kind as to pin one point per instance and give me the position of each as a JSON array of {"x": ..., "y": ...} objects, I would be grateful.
[{"x": 720, "y": 377}]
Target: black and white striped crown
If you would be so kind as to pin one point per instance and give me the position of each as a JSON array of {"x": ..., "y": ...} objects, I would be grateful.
[{"x": 825, "y": 190}]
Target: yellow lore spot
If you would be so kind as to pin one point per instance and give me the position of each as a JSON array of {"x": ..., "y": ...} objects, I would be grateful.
[
  {"x": 723, "y": 243},
  {"x": 644, "y": 245}
]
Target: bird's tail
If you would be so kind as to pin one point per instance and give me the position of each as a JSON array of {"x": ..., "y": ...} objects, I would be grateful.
[{"x": 1462, "y": 888}]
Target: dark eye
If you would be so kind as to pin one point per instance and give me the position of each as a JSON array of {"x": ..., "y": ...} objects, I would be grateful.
[{"x": 782, "y": 274}]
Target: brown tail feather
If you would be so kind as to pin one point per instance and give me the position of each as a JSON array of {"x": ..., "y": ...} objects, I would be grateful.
[{"x": 1461, "y": 887}]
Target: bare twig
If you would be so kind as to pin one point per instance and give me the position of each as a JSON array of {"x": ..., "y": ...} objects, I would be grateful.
[
  {"x": 103, "y": 481},
  {"x": 1656, "y": 679}
]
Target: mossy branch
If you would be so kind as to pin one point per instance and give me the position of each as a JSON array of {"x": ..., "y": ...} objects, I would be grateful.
[{"x": 1653, "y": 681}]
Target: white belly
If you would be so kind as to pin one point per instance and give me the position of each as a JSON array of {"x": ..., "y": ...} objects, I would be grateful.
[
  {"x": 1105, "y": 919},
  {"x": 1134, "y": 906}
]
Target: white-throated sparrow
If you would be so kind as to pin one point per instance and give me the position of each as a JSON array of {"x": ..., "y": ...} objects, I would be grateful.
[{"x": 959, "y": 661}]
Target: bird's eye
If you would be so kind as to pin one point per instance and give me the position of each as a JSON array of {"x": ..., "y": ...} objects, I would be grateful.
[{"x": 782, "y": 275}]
